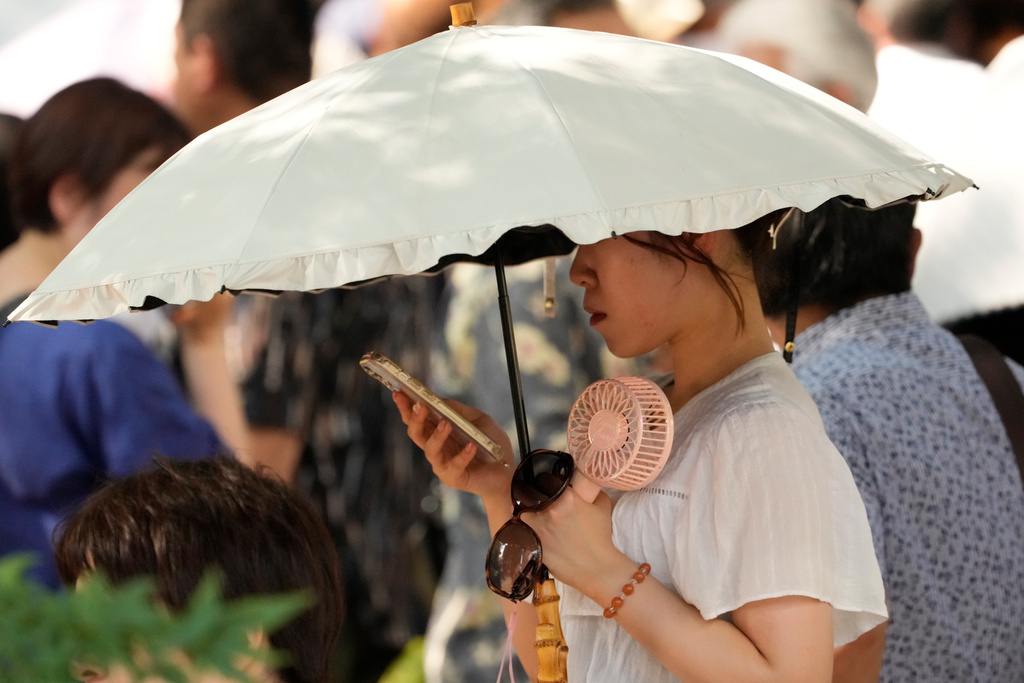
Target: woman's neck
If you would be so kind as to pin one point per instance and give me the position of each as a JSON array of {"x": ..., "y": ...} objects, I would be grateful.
[
  {"x": 26, "y": 263},
  {"x": 713, "y": 352}
]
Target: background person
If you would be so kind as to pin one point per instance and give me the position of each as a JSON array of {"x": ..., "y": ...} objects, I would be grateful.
[
  {"x": 180, "y": 518},
  {"x": 968, "y": 271},
  {"x": 8, "y": 126},
  {"x": 924, "y": 89},
  {"x": 84, "y": 402},
  {"x": 819, "y": 42},
  {"x": 232, "y": 55},
  {"x": 904, "y": 405}
]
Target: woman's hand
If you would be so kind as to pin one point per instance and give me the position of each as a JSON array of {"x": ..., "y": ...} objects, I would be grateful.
[
  {"x": 455, "y": 465},
  {"x": 577, "y": 540},
  {"x": 203, "y": 322}
]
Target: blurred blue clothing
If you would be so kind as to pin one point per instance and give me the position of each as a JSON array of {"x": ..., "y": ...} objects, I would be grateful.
[
  {"x": 80, "y": 404},
  {"x": 902, "y": 402}
]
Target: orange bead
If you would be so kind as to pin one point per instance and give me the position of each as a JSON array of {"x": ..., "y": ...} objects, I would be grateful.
[
  {"x": 639, "y": 577},
  {"x": 628, "y": 589},
  {"x": 609, "y": 612},
  {"x": 616, "y": 603}
]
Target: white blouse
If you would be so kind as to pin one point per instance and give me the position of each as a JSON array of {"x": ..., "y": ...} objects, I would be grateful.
[{"x": 755, "y": 502}]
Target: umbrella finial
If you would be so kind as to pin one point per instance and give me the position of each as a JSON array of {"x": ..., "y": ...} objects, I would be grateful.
[{"x": 462, "y": 14}]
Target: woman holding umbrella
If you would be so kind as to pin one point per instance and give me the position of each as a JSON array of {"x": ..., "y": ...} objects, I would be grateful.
[{"x": 749, "y": 558}]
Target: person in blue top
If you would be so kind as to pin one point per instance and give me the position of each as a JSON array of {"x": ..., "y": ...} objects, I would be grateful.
[
  {"x": 905, "y": 406},
  {"x": 80, "y": 404}
]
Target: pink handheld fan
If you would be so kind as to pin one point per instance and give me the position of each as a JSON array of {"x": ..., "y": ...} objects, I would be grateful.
[{"x": 620, "y": 435}]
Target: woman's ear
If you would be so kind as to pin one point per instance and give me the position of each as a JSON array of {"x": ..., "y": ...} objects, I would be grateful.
[
  {"x": 67, "y": 197},
  {"x": 202, "y": 64},
  {"x": 721, "y": 245},
  {"x": 706, "y": 241}
]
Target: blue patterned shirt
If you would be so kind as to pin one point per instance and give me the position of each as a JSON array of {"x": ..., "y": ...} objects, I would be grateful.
[{"x": 901, "y": 400}]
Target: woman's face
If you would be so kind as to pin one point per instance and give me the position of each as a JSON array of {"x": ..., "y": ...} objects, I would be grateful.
[
  {"x": 637, "y": 299},
  {"x": 123, "y": 182}
]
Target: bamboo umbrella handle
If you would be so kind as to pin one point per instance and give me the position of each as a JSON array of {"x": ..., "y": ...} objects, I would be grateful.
[
  {"x": 462, "y": 14},
  {"x": 552, "y": 651}
]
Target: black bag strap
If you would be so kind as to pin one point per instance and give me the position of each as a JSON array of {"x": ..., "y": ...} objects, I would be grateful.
[{"x": 1003, "y": 387}]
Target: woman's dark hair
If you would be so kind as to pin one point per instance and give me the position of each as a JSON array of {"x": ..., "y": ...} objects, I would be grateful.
[
  {"x": 843, "y": 254},
  {"x": 182, "y": 517},
  {"x": 92, "y": 130},
  {"x": 9, "y": 125},
  {"x": 684, "y": 248},
  {"x": 978, "y": 27}
]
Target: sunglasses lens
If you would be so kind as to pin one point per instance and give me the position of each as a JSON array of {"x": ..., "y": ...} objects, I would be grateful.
[
  {"x": 514, "y": 561},
  {"x": 541, "y": 478}
]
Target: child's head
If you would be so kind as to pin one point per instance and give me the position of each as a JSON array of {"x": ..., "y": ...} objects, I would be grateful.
[{"x": 181, "y": 517}]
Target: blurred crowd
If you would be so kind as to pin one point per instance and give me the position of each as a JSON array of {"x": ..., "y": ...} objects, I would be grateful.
[{"x": 276, "y": 381}]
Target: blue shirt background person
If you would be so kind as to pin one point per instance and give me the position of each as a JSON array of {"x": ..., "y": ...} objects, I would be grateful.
[
  {"x": 901, "y": 400},
  {"x": 78, "y": 405}
]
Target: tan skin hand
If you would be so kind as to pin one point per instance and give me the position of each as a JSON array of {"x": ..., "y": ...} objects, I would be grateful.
[
  {"x": 203, "y": 320},
  {"x": 577, "y": 537},
  {"x": 457, "y": 466}
]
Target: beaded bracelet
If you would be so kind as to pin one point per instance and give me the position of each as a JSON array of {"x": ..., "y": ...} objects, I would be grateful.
[{"x": 638, "y": 577}]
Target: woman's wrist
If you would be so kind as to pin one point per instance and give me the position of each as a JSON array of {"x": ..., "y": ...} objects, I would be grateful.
[
  {"x": 498, "y": 509},
  {"x": 606, "y": 582}
]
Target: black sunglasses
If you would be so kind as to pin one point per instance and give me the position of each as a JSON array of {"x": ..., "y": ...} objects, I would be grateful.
[{"x": 514, "y": 560}]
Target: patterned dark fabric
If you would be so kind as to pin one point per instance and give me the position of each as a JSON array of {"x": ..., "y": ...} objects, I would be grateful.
[
  {"x": 372, "y": 484},
  {"x": 901, "y": 401}
]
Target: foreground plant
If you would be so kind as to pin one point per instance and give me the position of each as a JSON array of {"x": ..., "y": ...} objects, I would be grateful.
[{"x": 42, "y": 633}]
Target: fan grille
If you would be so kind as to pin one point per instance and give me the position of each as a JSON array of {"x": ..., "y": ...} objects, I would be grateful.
[{"x": 620, "y": 432}]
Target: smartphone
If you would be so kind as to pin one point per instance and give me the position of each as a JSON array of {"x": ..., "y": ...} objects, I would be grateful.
[{"x": 390, "y": 374}]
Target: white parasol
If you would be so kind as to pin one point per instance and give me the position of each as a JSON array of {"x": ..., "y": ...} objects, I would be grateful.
[
  {"x": 429, "y": 154},
  {"x": 392, "y": 165}
]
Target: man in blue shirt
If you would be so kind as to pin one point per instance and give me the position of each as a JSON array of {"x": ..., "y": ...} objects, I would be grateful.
[{"x": 903, "y": 403}]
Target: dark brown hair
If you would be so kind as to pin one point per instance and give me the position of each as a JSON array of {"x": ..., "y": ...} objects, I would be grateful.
[
  {"x": 683, "y": 248},
  {"x": 9, "y": 125},
  {"x": 182, "y": 517},
  {"x": 93, "y": 130},
  {"x": 263, "y": 45},
  {"x": 842, "y": 253}
]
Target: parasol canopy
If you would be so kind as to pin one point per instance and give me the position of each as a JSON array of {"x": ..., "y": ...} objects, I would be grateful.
[{"x": 406, "y": 162}]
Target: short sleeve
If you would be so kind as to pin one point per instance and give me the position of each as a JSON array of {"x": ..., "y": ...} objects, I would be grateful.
[
  {"x": 845, "y": 432},
  {"x": 130, "y": 407},
  {"x": 778, "y": 514}
]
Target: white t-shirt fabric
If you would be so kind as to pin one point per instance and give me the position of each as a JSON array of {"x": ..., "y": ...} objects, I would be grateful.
[{"x": 754, "y": 503}]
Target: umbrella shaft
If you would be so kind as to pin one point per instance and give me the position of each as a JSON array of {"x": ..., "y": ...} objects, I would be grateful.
[{"x": 511, "y": 356}]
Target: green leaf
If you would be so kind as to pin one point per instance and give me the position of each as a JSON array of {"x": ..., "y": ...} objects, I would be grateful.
[{"x": 42, "y": 632}]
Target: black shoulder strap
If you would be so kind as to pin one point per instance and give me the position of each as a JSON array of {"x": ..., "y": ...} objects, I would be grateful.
[{"x": 1003, "y": 387}]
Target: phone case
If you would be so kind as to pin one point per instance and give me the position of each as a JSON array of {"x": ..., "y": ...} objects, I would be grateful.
[{"x": 394, "y": 377}]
